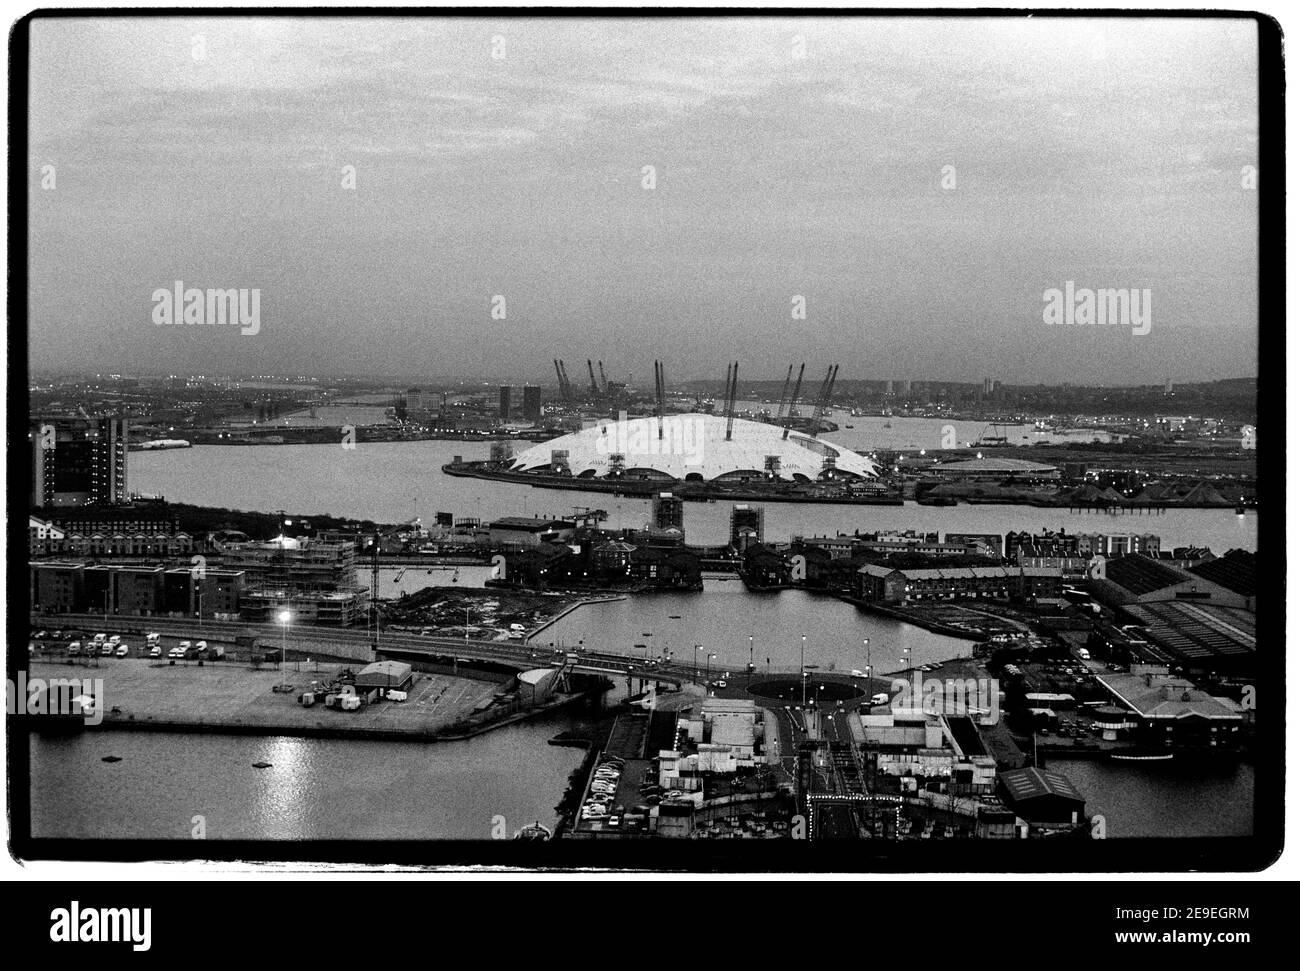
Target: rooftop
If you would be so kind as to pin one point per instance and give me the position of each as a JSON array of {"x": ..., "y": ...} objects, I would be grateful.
[
  {"x": 1140, "y": 574},
  {"x": 1165, "y": 697},
  {"x": 1031, "y": 783},
  {"x": 1235, "y": 571}
]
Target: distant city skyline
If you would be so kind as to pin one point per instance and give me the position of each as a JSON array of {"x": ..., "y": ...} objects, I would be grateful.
[{"x": 894, "y": 195}]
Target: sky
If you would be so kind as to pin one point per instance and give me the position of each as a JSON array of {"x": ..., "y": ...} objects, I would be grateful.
[{"x": 473, "y": 196}]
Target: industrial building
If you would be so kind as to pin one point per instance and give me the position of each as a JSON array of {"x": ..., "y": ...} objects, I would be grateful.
[
  {"x": 996, "y": 470},
  {"x": 1136, "y": 578},
  {"x": 528, "y": 531},
  {"x": 1041, "y": 796},
  {"x": 384, "y": 676}
]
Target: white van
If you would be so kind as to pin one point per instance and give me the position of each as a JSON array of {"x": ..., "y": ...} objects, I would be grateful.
[{"x": 395, "y": 695}]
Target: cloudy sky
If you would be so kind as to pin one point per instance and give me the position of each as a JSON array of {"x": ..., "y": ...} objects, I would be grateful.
[{"x": 508, "y": 158}]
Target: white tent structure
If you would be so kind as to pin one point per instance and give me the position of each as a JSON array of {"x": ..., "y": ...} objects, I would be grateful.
[{"x": 693, "y": 447}]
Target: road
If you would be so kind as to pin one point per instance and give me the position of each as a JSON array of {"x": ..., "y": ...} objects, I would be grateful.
[{"x": 303, "y": 639}]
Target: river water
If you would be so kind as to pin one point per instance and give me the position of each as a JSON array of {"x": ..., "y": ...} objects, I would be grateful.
[
  {"x": 333, "y": 789},
  {"x": 320, "y": 789},
  {"x": 395, "y": 481}
]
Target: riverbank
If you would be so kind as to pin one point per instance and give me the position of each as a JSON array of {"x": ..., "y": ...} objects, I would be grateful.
[
  {"x": 140, "y": 695},
  {"x": 570, "y": 609},
  {"x": 916, "y": 620},
  {"x": 644, "y": 488}
]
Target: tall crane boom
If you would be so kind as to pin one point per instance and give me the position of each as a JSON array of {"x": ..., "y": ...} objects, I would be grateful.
[
  {"x": 568, "y": 388},
  {"x": 559, "y": 379},
  {"x": 604, "y": 385},
  {"x": 591, "y": 373}
]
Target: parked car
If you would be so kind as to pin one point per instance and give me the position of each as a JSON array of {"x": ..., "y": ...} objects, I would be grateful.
[
  {"x": 122, "y": 650},
  {"x": 176, "y": 652},
  {"x": 74, "y": 649},
  {"x": 155, "y": 651},
  {"x": 106, "y": 650}
]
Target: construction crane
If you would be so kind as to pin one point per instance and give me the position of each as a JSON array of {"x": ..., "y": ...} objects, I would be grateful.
[
  {"x": 376, "y": 536},
  {"x": 559, "y": 379},
  {"x": 794, "y": 398},
  {"x": 591, "y": 373},
  {"x": 564, "y": 380},
  {"x": 604, "y": 385}
]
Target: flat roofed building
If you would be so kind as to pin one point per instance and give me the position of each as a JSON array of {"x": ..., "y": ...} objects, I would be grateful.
[
  {"x": 1042, "y": 796},
  {"x": 528, "y": 531},
  {"x": 1174, "y": 713},
  {"x": 385, "y": 676}
]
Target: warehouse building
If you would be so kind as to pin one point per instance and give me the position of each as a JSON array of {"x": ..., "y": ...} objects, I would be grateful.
[{"x": 1041, "y": 796}]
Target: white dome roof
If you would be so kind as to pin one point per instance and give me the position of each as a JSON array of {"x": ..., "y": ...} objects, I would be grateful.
[{"x": 694, "y": 446}]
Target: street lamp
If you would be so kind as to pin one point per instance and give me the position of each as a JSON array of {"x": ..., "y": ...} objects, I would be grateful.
[
  {"x": 803, "y": 674},
  {"x": 749, "y": 676},
  {"x": 284, "y": 618},
  {"x": 695, "y": 668},
  {"x": 708, "y": 666}
]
